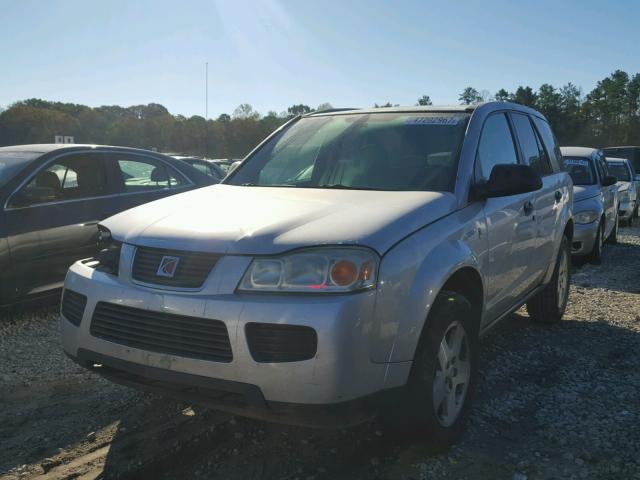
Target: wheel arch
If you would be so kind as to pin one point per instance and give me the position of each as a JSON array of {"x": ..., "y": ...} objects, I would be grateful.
[
  {"x": 568, "y": 230},
  {"x": 465, "y": 281}
]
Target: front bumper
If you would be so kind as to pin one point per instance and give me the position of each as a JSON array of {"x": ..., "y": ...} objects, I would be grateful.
[
  {"x": 584, "y": 238},
  {"x": 235, "y": 397},
  {"x": 341, "y": 373}
]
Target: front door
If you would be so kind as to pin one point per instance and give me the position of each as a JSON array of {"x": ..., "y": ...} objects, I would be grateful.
[{"x": 51, "y": 221}]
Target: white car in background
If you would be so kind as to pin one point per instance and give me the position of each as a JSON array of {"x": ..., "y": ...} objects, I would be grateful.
[{"x": 627, "y": 189}]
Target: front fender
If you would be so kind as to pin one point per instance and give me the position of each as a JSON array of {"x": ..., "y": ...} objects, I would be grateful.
[{"x": 411, "y": 276}]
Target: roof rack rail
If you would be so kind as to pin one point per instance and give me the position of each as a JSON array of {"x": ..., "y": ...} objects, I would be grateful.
[{"x": 330, "y": 110}]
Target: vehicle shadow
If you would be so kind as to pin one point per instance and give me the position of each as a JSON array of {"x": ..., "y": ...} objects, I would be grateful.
[
  {"x": 524, "y": 366},
  {"x": 625, "y": 277}
]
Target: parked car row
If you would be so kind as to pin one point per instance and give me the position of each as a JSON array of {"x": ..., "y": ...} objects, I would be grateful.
[{"x": 605, "y": 195}]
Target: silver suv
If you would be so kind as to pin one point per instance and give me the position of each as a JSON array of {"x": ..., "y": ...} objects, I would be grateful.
[{"x": 348, "y": 266}]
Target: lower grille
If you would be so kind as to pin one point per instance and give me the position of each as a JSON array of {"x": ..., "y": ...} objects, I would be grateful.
[
  {"x": 191, "y": 271},
  {"x": 273, "y": 342},
  {"x": 73, "y": 305},
  {"x": 180, "y": 335}
]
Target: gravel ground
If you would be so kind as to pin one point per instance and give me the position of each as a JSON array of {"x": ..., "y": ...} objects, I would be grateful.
[{"x": 557, "y": 402}]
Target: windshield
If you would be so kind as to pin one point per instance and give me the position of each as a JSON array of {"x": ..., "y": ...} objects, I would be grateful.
[
  {"x": 12, "y": 162},
  {"x": 620, "y": 171},
  {"x": 580, "y": 170},
  {"x": 372, "y": 151}
]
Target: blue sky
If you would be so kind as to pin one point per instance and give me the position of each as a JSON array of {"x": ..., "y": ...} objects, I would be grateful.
[{"x": 275, "y": 53}]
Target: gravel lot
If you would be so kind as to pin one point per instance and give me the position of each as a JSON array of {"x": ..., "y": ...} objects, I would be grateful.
[{"x": 554, "y": 402}]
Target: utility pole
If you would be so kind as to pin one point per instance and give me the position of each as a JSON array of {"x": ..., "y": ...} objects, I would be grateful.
[{"x": 206, "y": 91}]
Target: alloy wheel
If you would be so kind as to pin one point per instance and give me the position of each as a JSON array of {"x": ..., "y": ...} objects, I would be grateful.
[{"x": 452, "y": 374}]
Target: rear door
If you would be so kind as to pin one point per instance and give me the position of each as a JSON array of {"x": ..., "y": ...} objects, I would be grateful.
[
  {"x": 511, "y": 226},
  {"x": 548, "y": 199},
  {"x": 140, "y": 179},
  {"x": 51, "y": 220}
]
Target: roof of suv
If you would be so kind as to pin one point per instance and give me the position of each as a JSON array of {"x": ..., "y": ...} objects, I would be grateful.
[
  {"x": 427, "y": 109},
  {"x": 578, "y": 151}
]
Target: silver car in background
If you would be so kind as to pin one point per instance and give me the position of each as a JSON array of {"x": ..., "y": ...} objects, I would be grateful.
[
  {"x": 365, "y": 253},
  {"x": 595, "y": 201},
  {"x": 627, "y": 189}
]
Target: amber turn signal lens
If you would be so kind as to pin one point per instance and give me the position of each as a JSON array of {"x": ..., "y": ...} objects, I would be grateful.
[{"x": 344, "y": 273}]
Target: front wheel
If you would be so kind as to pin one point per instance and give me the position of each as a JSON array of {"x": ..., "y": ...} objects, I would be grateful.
[
  {"x": 549, "y": 305},
  {"x": 595, "y": 257},
  {"x": 443, "y": 376}
]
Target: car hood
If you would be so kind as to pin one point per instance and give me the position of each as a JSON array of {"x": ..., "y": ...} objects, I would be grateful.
[
  {"x": 584, "y": 192},
  {"x": 266, "y": 220}
]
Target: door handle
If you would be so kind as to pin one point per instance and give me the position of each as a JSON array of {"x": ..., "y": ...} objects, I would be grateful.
[
  {"x": 528, "y": 208},
  {"x": 558, "y": 196}
]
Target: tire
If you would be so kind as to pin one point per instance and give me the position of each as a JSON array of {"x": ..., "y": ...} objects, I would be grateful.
[
  {"x": 595, "y": 257},
  {"x": 434, "y": 376},
  {"x": 613, "y": 236},
  {"x": 549, "y": 305}
]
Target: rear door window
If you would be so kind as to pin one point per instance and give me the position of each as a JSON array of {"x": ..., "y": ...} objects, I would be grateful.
[
  {"x": 533, "y": 153},
  {"x": 550, "y": 143},
  {"x": 142, "y": 174}
]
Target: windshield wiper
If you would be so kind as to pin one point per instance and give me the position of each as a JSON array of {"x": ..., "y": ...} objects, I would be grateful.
[
  {"x": 340, "y": 186},
  {"x": 251, "y": 184}
]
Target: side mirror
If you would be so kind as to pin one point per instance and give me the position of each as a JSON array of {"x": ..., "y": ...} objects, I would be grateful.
[
  {"x": 508, "y": 179},
  {"x": 637, "y": 177},
  {"x": 33, "y": 196},
  {"x": 609, "y": 180}
]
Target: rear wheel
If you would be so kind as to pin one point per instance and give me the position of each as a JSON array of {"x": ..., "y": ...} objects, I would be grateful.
[
  {"x": 443, "y": 375},
  {"x": 549, "y": 305}
]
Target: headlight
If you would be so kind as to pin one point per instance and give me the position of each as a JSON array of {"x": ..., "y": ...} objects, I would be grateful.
[
  {"x": 108, "y": 256},
  {"x": 317, "y": 270},
  {"x": 588, "y": 216},
  {"x": 624, "y": 196}
]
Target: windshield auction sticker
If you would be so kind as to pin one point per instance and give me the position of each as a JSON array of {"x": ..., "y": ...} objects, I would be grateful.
[
  {"x": 576, "y": 161},
  {"x": 432, "y": 121}
]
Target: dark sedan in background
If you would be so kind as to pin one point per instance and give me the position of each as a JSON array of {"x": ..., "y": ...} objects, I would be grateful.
[
  {"x": 53, "y": 196},
  {"x": 206, "y": 166}
]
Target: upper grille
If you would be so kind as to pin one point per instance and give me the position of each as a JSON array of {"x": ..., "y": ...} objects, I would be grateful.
[
  {"x": 190, "y": 337},
  {"x": 73, "y": 304},
  {"x": 273, "y": 342},
  {"x": 192, "y": 270}
]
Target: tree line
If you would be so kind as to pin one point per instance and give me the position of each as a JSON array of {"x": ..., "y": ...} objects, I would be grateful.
[{"x": 607, "y": 115}]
